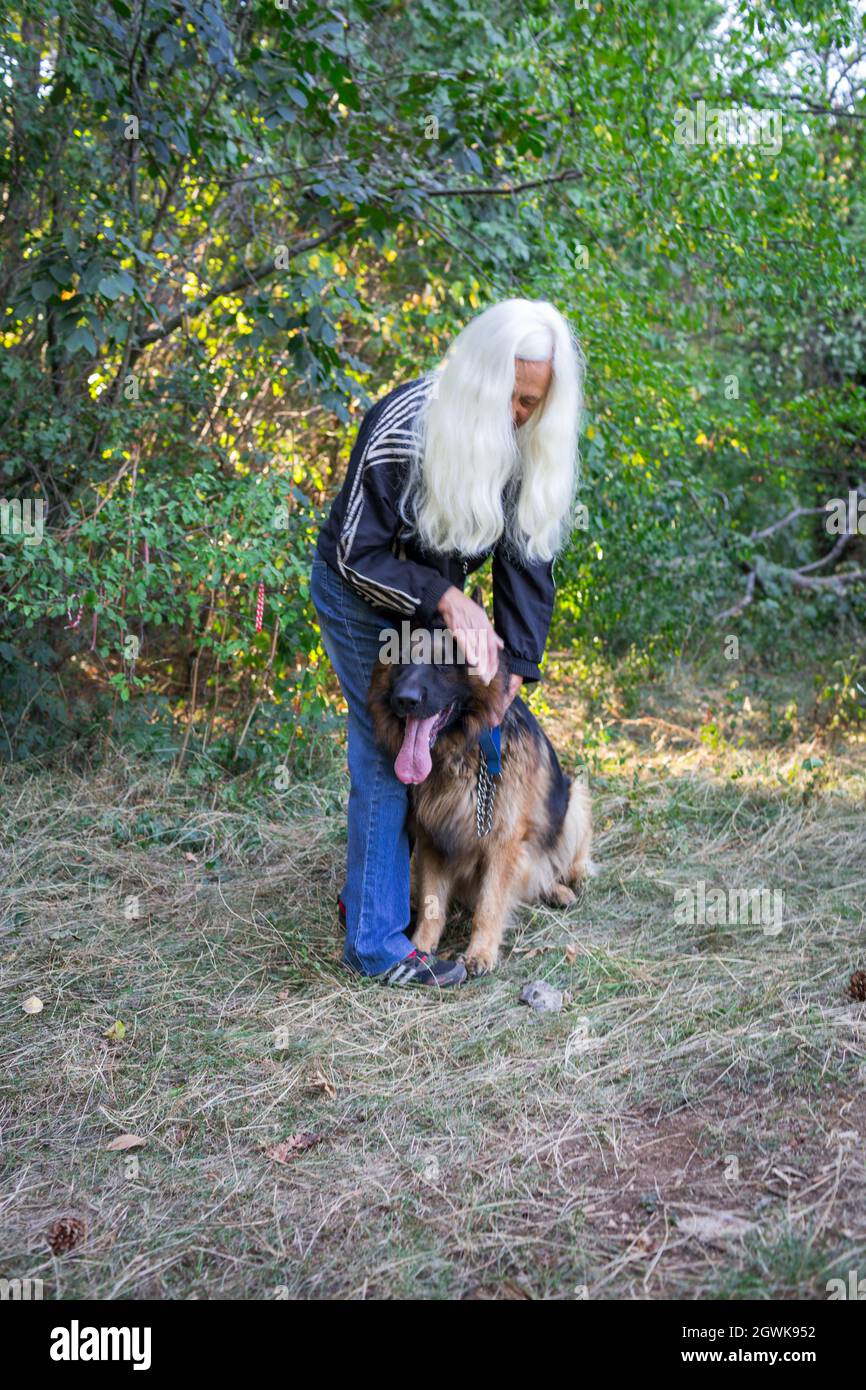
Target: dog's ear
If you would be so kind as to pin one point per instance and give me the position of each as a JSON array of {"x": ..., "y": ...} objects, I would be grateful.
[{"x": 477, "y": 596}]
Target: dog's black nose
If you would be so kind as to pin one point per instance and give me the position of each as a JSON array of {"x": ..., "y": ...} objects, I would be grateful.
[{"x": 407, "y": 698}]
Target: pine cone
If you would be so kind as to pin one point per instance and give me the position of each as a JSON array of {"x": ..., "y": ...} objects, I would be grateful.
[
  {"x": 65, "y": 1234},
  {"x": 857, "y": 987}
]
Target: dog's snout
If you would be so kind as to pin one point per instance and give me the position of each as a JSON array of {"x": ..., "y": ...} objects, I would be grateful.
[{"x": 408, "y": 697}]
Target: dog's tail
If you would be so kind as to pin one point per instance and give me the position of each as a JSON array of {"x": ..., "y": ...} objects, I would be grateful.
[{"x": 578, "y": 827}]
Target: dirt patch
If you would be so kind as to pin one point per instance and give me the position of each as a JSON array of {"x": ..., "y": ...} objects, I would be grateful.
[{"x": 703, "y": 1179}]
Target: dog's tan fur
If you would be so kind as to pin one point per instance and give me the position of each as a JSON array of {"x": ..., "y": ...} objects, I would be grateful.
[{"x": 524, "y": 859}]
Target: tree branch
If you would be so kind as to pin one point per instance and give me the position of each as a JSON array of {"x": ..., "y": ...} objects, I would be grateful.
[
  {"x": 248, "y": 275},
  {"x": 500, "y": 190},
  {"x": 800, "y": 576}
]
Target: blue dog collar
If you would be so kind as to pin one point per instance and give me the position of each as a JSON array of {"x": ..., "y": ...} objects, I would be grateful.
[{"x": 491, "y": 747}]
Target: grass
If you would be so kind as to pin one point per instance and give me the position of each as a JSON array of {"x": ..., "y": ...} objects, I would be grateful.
[{"x": 462, "y": 1147}]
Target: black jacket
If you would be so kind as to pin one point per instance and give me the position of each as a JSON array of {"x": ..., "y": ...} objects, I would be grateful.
[{"x": 368, "y": 543}]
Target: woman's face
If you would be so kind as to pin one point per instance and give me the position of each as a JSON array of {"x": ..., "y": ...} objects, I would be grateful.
[{"x": 531, "y": 380}]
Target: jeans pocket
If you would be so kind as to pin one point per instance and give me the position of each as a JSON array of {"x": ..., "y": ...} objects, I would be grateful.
[{"x": 322, "y": 588}]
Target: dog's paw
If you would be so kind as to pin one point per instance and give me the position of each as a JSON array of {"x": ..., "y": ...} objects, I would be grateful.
[
  {"x": 479, "y": 961},
  {"x": 560, "y": 895},
  {"x": 426, "y": 937}
]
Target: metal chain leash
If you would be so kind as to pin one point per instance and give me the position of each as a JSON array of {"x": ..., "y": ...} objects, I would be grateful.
[{"x": 485, "y": 797}]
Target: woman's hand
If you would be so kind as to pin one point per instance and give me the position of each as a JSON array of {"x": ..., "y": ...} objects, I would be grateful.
[{"x": 473, "y": 632}]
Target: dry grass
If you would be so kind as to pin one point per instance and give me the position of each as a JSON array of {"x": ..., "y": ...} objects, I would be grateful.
[{"x": 457, "y": 1147}]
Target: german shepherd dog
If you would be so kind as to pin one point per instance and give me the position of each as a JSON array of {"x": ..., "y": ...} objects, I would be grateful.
[{"x": 430, "y": 717}]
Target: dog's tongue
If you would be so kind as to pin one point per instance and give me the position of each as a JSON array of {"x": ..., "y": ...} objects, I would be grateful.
[{"x": 413, "y": 761}]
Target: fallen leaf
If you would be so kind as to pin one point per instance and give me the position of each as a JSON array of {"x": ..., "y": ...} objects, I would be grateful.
[
  {"x": 843, "y": 1137},
  {"x": 322, "y": 1083},
  {"x": 290, "y": 1148},
  {"x": 126, "y": 1141},
  {"x": 33, "y": 1005},
  {"x": 720, "y": 1226},
  {"x": 117, "y": 1031}
]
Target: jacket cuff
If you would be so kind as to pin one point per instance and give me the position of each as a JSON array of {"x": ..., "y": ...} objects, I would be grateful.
[
  {"x": 527, "y": 669},
  {"x": 431, "y": 595}
]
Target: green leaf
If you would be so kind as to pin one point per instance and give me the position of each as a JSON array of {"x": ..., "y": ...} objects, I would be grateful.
[
  {"x": 81, "y": 337},
  {"x": 117, "y": 283},
  {"x": 42, "y": 290}
]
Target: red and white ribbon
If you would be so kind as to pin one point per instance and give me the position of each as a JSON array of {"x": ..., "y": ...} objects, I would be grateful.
[{"x": 73, "y": 622}]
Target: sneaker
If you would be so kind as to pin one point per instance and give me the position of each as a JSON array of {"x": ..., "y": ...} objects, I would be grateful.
[{"x": 423, "y": 968}]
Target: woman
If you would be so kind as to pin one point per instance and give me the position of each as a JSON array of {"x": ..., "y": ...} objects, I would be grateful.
[{"x": 475, "y": 459}]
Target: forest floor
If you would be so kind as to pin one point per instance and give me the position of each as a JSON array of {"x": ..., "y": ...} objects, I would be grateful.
[{"x": 692, "y": 1124}]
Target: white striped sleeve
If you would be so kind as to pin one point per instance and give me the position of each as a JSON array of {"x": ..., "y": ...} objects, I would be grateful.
[{"x": 365, "y": 549}]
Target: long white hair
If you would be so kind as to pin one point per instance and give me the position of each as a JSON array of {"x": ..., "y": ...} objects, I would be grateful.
[{"x": 474, "y": 477}]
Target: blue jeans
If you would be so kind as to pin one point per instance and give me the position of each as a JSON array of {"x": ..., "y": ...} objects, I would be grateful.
[{"x": 376, "y": 894}]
